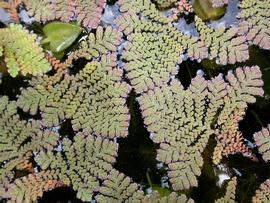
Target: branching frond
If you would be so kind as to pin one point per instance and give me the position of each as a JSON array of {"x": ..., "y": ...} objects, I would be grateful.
[
  {"x": 181, "y": 120},
  {"x": 154, "y": 46},
  {"x": 19, "y": 139},
  {"x": 85, "y": 162},
  {"x": 95, "y": 100},
  {"x": 119, "y": 188},
  {"x": 29, "y": 188},
  {"x": 165, "y": 3},
  {"x": 11, "y": 7},
  {"x": 254, "y": 22},
  {"x": 224, "y": 44},
  {"x": 172, "y": 198},
  {"x": 243, "y": 87},
  {"x": 262, "y": 140},
  {"x": 262, "y": 195},
  {"x": 103, "y": 42},
  {"x": 21, "y": 52},
  {"x": 87, "y": 13}
]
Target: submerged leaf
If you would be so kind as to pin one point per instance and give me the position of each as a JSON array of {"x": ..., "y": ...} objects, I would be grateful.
[
  {"x": 205, "y": 10},
  {"x": 60, "y": 35}
]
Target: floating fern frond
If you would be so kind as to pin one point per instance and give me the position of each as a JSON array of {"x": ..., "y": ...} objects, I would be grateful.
[
  {"x": 165, "y": 3},
  {"x": 42, "y": 10},
  {"x": 85, "y": 162},
  {"x": 172, "y": 198},
  {"x": 87, "y": 13},
  {"x": 245, "y": 84},
  {"x": 224, "y": 45},
  {"x": 262, "y": 140},
  {"x": 21, "y": 52},
  {"x": 11, "y": 7},
  {"x": 94, "y": 99},
  {"x": 181, "y": 120},
  {"x": 105, "y": 41},
  {"x": 154, "y": 46},
  {"x": 174, "y": 117},
  {"x": 19, "y": 139},
  {"x": 119, "y": 188},
  {"x": 146, "y": 8},
  {"x": 29, "y": 188},
  {"x": 262, "y": 194},
  {"x": 254, "y": 22}
]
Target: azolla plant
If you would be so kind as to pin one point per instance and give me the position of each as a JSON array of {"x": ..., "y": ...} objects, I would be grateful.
[{"x": 127, "y": 47}]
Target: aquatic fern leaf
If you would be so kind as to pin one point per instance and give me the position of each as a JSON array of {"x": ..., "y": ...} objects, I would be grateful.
[
  {"x": 42, "y": 10},
  {"x": 262, "y": 140},
  {"x": 119, "y": 188},
  {"x": 165, "y": 3},
  {"x": 94, "y": 100},
  {"x": 154, "y": 46},
  {"x": 19, "y": 140},
  {"x": 181, "y": 121},
  {"x": 85, "y": 162},
  {"x": 224, "y": 44},
  {"x": 21, "y": 52},
  {"x": 172, "y": 198},
  {"x": 171, "y": 115},
  {"x": 254, "y": 22},
  {"x": 262, "y": 194},
  {"x": 11, "y": 7},
  {"x": 87, "y": 13},
  {"x": 245, "y": 84},
  {"x": 105, "y": 41},
  {"x": 29, "y": 188}
]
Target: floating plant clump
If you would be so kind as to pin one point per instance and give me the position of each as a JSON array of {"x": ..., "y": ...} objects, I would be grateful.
[{"x": 143, "y": 101}]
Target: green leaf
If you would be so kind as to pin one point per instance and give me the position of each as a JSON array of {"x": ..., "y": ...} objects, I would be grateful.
[
  {"x": 60, "y": 35},
  {"x": 205, "y": 10},
  {"x": 163, "y": 192}
]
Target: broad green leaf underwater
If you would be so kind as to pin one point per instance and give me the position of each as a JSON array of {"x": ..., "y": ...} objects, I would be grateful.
[{"x": 60, "y": 35}]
